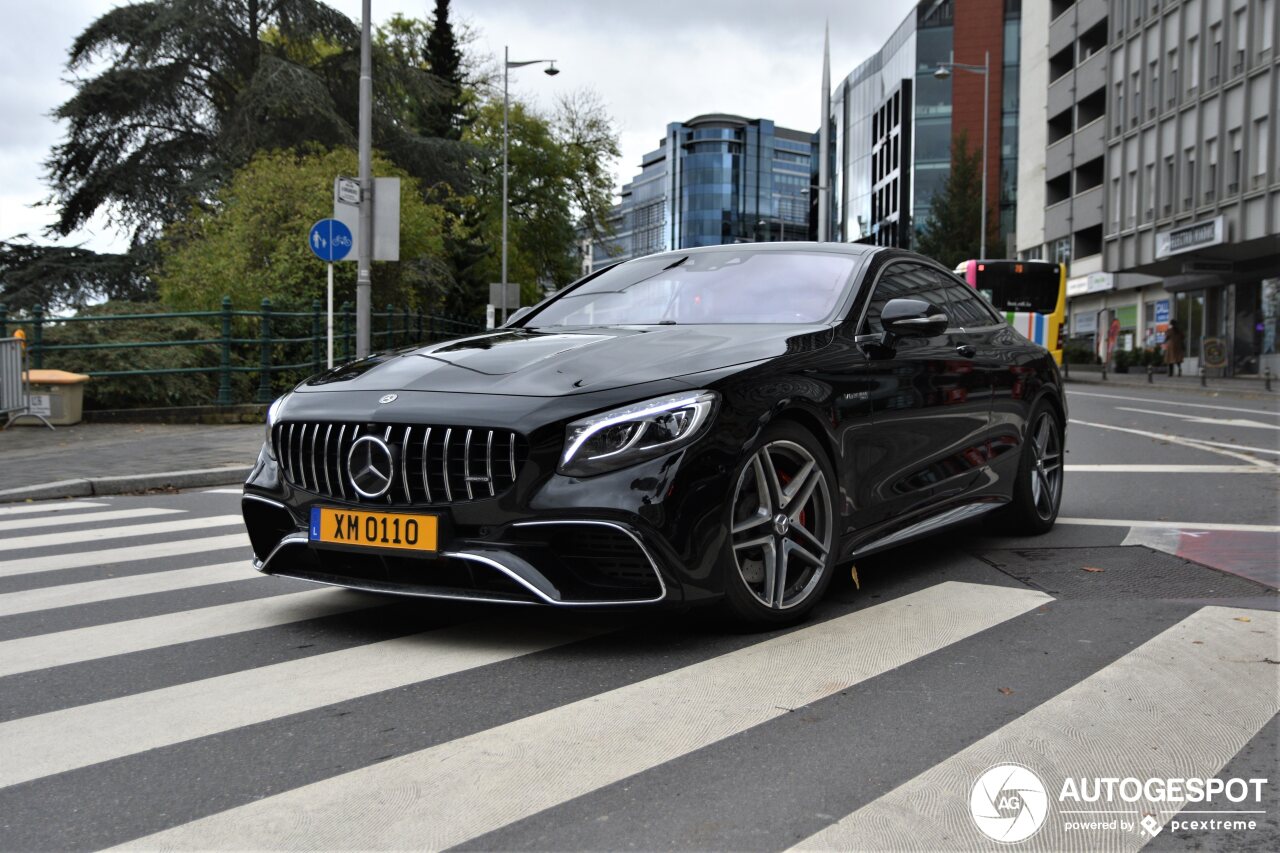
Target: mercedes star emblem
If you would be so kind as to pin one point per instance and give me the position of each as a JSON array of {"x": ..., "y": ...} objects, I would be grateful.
[
  {"x": 390, "y": 398},
  {"x": 371, "y": 466}
]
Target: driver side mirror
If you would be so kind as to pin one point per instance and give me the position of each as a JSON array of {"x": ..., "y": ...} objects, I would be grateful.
[{"x": 913, "y": 318}]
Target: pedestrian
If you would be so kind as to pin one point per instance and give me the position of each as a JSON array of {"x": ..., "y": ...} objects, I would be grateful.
[{"x": 1175, "y": 345}]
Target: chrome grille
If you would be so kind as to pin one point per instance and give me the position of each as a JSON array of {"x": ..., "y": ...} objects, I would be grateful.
[{"x": 434, "y": 464}]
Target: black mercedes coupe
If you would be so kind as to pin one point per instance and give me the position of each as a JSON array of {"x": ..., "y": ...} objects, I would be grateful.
[{"x": 722, "y": 424}]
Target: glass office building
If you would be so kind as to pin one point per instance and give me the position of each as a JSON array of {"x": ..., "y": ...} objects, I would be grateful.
[
  {"x": 892, "y": 121},
  {"x": 714, "y": 179}
]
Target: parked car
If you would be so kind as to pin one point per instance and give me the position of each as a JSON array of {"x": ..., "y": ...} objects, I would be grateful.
[{"x": 722, "y": 424}]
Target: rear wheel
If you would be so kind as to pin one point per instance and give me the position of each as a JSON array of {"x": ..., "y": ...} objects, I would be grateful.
[
  {"x": 781, "y": 551},
  {"x": 1037, "y": 493}
]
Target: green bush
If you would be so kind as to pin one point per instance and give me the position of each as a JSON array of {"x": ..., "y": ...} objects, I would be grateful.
[{"x": 1079, "y": 353}]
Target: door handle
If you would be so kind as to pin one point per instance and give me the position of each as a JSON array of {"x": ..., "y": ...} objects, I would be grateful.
[{"x": 966, "y": 350}]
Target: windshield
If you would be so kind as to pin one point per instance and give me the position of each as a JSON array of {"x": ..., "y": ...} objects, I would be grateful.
[{"x": 730, "y": 286}]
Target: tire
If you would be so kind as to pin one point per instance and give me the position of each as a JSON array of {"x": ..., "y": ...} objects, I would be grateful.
[
  {"x": 1037, "y": 491},
  {"x": 790, "y": 535}
]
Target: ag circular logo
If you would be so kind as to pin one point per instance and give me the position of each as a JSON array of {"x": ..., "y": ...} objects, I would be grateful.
[
  {"x": 389, "y": 398},
  {"x": 1009, "y": 803},
  {"x": 371, "y": 466}
]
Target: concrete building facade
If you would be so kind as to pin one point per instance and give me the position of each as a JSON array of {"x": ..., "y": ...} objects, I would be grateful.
[{"x": 1161, "y": 174}]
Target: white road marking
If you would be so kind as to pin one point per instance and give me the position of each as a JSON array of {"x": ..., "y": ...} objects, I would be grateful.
[
  {"x": 1179, "y": 706},
  {"x": 1201, "y": 419},
  {"x": 1172, "y": 403},
  {"x": 1206, "y": 446},
  {"x": 152, "y": 632},
  {"x": 127, "y": 554},
  {"x": 77, "y": 737},
  {"x": 65, "y": 506},
  {"x": 223, "y": 492},
  {"x": 125, "y": 532},
  {"x": 1174, "y": 525},
  {"x": 86, "y": 518},
  {"x": 1168, "y": 469},
  {"x": 447, "y": 794},
  {"x": 107, "y": 589}
]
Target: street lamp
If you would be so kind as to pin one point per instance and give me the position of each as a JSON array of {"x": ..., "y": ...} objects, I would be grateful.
[
  {"x": 507, "y": 65},
  {"x": 943, "y": 72}
]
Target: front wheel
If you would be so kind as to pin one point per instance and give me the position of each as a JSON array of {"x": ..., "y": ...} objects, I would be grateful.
[
  {"x": 781, "y": 550},
  {"x": 1037, "y": 493}
]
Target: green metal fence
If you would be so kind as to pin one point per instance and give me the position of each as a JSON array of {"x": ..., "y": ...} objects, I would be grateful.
[{"x": 285, "y": 340}]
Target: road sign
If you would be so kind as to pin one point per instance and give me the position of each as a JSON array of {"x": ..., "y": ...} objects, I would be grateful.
[
  {"x": 330, "y": 240},
  {"x": 386, "y": 216},
  {"x": 348, "y": 191}
]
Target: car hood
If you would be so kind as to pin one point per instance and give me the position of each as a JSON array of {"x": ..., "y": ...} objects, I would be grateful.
[{"x": 530, "y": 362}]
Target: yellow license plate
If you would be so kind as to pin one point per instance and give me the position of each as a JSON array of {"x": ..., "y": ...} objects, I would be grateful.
[{"x": 364, "y": 529}]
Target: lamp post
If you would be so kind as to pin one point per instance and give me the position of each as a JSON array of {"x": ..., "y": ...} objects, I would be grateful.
[
  {"x": 943, "y": 72},
  {"x": 765, "y": 223},
  {"x": 507, "y": 65}
]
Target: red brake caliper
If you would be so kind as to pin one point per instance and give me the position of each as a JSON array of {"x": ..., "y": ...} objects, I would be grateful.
[{"x": 784, "y": 479}]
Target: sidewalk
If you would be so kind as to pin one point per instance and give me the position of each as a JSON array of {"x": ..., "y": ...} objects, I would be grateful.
[
  {"x": 1247, "y": 388},
  {"x": 88, "y": 459}
]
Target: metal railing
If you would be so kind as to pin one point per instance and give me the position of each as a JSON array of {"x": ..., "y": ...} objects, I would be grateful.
[{"x": 285, "y": 340}]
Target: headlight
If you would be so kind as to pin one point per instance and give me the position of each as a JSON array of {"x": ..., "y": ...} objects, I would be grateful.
[
  {"x": 273, "y": 412},
  {"x": 622, "y": 437}
]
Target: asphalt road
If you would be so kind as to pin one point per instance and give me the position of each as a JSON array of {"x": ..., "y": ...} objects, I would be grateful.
[{"x": 156, "y": 693}]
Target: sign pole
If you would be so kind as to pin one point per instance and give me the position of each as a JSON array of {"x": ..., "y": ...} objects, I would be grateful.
[{"x": 330, "y": 313}]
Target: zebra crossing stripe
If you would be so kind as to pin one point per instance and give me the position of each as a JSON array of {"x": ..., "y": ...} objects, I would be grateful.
[
  {"x": 44, "y": 540},
  {"x": 447, "y": 794},
  {"x": 77, "y": 737},
  {"x": 89, "y": 592},
  {"x": 126, "y": 554},
  {"x": 34, "y": 508},
  {"x": 86, "y": 518},
  {"x": 1179, "y": 706},
  {"x": 116, "y": 638}
]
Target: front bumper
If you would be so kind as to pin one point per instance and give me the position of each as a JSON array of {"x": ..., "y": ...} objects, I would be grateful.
[{"x": 615, "y": 540}]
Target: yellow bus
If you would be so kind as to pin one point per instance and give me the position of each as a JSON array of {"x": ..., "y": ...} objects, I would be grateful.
[{"x": 1032, "y": 295}]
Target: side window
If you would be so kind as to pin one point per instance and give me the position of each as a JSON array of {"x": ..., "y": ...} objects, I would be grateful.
[
  {"x": 966, "y": 307},
  {"x": 903, "y": 281}
]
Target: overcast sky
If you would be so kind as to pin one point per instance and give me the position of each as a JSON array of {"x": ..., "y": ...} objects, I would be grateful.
[{"x": 652, "y": 62}]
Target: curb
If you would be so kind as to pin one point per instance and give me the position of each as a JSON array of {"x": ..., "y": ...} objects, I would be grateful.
[
  {"x": 93, "y": 486},
  {"x": 1246, "y": 393}
]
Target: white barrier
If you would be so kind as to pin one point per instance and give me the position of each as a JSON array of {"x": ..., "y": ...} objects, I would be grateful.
[{"x": 15, "y": 392}]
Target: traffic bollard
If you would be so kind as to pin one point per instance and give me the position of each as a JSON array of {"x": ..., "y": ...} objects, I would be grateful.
[
  {"x": 1267, "y": 378},
  {"x": 1203, "y": 384},
  {"x": 1150, "y": 374}
]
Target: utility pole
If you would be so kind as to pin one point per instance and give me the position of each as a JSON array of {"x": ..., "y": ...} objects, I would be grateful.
[
  {"x": 364, "y": 251},
  {"x": 824, "y": 142}
]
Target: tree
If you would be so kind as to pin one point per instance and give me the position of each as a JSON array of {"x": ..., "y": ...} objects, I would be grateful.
[
  {"x": 587, "y": 134},
  {"x": 541, "y": 239},
  {"x": 66, "y": 277},
  {"x": 444, "y": 60},
  {"x": 250, "y": 242},
  {"x": 950, "y": 235},
  {"x": 181, "y": 93}
]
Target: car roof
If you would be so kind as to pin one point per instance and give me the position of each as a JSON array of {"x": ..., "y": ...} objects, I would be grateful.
[{"x": 856, "y": 249}]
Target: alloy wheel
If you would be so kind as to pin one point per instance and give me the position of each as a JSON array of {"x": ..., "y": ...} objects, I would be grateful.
[
  {"x": 1046, "y": 470},
  {"x": 782, "y": 524}
]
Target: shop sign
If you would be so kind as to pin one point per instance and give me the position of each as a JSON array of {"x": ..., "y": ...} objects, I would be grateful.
[
  {"x": 1086, "y": 323},
  {"x": 1215, "y": 352},
  {"x": 1162, "y": 311},
  {"x": 1188, "y": 238},
  {"x": 1094, "y": 282}
]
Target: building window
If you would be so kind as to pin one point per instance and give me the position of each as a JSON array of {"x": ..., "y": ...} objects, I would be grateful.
[
  {"x": 1149, "y": 192},
  {"x": 1115, "y": 204},
  {"x": 1119, "y": 106},
  {"x": 1211, "y": 172},
  {"x": 1215, "y": 56},
  {"x": 1137, "y": 96},
  {"x": 1153, "y": 86},
  {"x": 1242, "y": 35},
  {"x": 1267, "y": 25},
  {"x": 1193, "y": 62},
  {"x": 1237, "y": 162},
  {"x": 1062, "y": 250},
  {"x": 1168, "y": 186},
  {"x": 1173, "y": 77},
  {"x": 1261, "y": 142},
  {"x": 1189, "y": 157},
  {"x": 1133, "y": 198}
]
